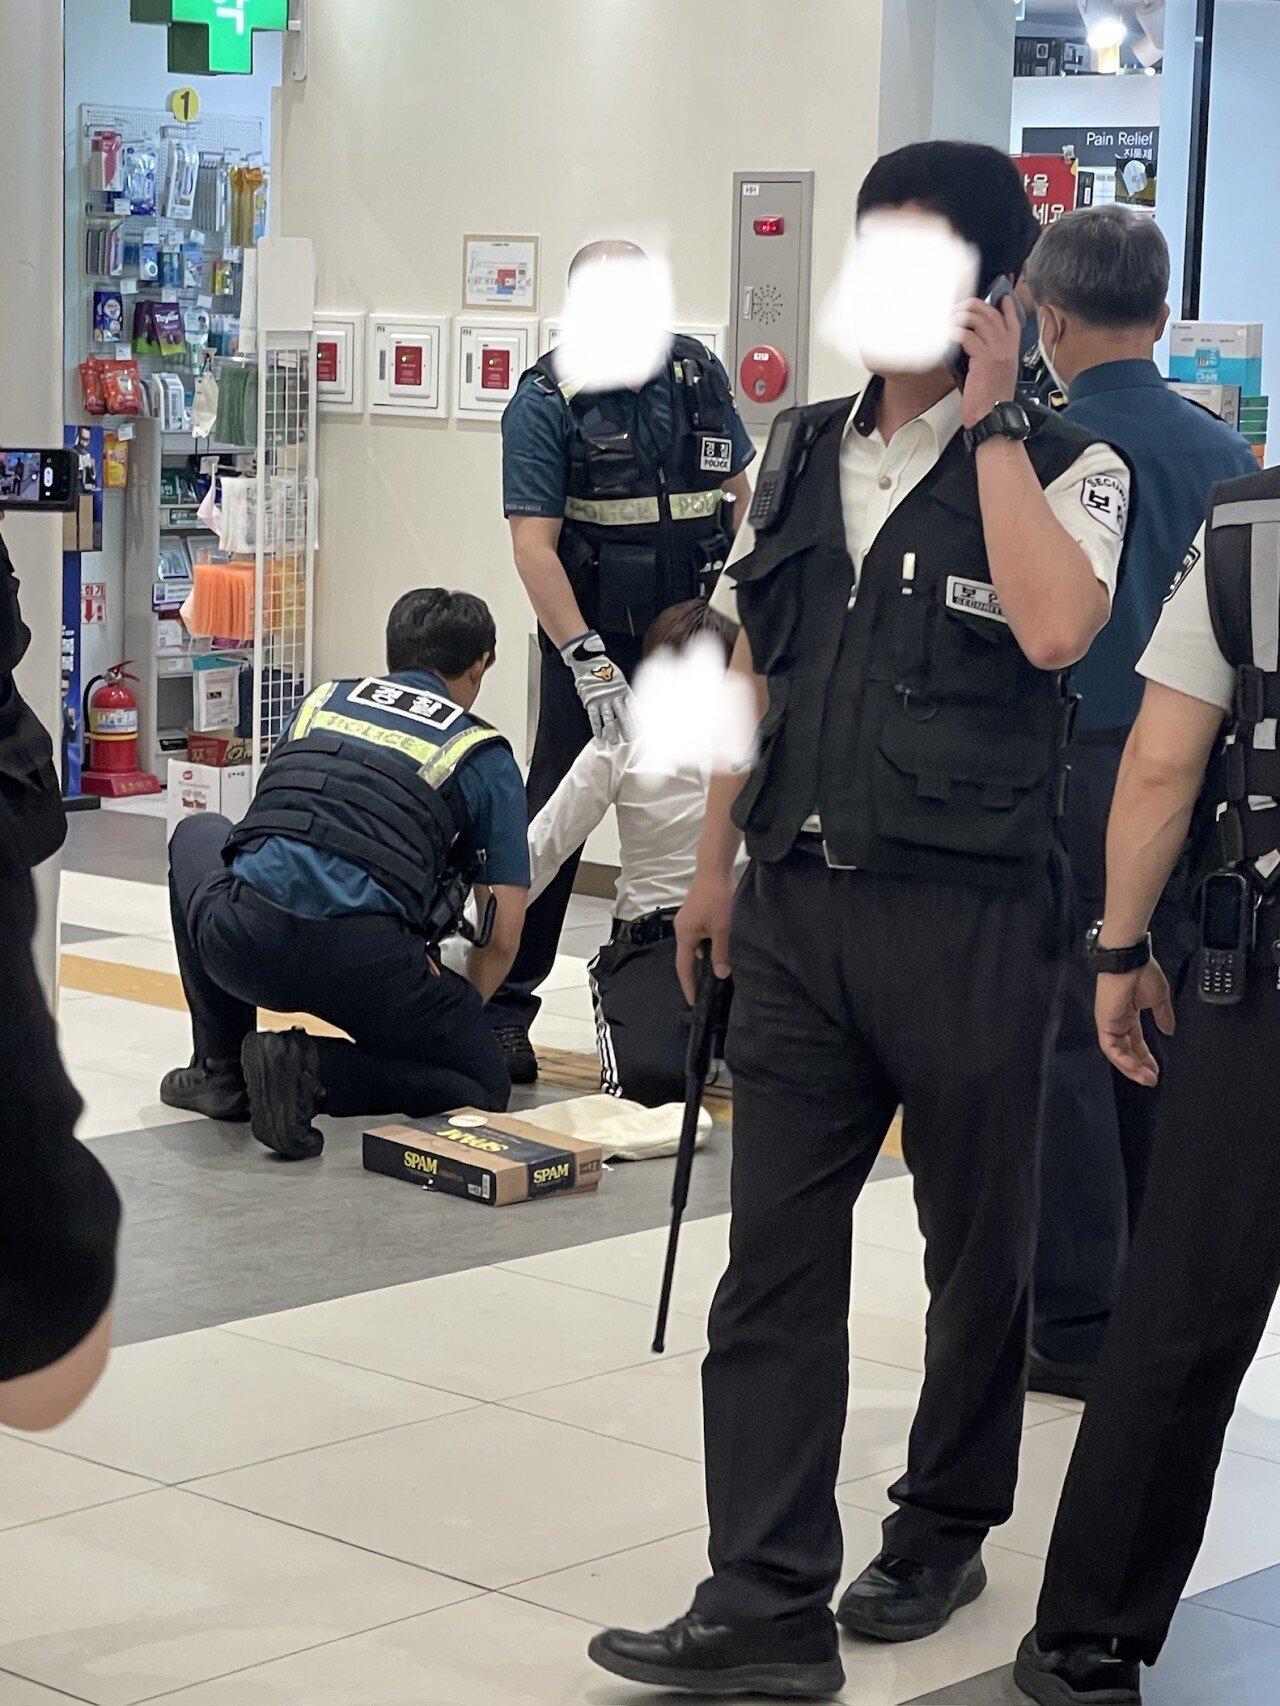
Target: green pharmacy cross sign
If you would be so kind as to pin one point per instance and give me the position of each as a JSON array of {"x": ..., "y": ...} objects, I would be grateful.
[{"x": 207, "y": 37}]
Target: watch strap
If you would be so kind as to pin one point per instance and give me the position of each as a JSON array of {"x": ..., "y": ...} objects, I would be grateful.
[
  {"x": 1116, "y": 960},
  {"x": 1002, "y": 422}
]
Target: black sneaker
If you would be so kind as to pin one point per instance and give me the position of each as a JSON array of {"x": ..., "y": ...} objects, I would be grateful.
[
  {"x": 727, "y": 1660},
  {"x": 282, "y": 1071},
  {"x": 1058, "y": 1379},
  {"x": 517, "y": 1051},
  {"x": 214, "y": 1088},
  {"x": 1081, "y": 1673},
  {"x": 895, "y": 1599}
]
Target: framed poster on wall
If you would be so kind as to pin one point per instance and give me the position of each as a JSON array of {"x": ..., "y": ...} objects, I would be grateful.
[{"x": 500, "y": 272}]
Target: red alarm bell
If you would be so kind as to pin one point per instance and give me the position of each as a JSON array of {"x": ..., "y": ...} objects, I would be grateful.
[{"x": 764, "y": 373}]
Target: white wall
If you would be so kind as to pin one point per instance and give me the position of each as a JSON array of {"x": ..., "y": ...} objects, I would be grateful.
[
  {"x": 1131, "y": 101},
  {"x": 946, "y": 71},
  {"x": 30, "y": 346}
]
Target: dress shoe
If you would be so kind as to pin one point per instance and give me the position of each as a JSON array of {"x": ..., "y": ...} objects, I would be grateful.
[
  {"x": 1080, "y": 1673},
  {"x": 517, "y": 1051},
  {"x": 1058, "y": 1379},
  {"x": 725, "y": 1660},
  {"x": 895, "y": 1599},
  {"x": 282, "y": 1071},
  {"x": 214, "y": 1088}
]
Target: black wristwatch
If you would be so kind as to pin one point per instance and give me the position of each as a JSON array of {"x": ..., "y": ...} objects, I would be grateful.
[
  {"x": 1006, "y": 420},
  {"x": 1116, "y": 959}
]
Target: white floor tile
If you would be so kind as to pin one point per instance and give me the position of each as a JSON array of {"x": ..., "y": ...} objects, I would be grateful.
[
  {"x": 147, "y": 953},
  {"x": 487, "y": 1495},
  {"x": 162, "y": 1591},
  {"x": 15, "y": 1692},
  {"x": 630, "y": 1266},
  {"x": 1243, "y": 1535},
  {"x": 118, "y": 1101},
  {"x": 882, "y": 1276},
  {"x": 571, "y": 1000},
  {"x": 36, "y": 1483},
  {"x": 114, "y": 903},
  {"x": 486, "y": 1333},
  {"x": 886, "y": 1216},
  {"x": 493, "y": 1651},
  {"x": 893, "y": 1332},
  {"x": 106, "y": 1034},
  {"x": 202, "y": 1402},
  {"x": 1255, "y": 1427},
  {"x": 569, "y": 972},
  {"x": 554, "y": 1030}
]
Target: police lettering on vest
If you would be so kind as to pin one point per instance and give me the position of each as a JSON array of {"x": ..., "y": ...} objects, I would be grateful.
[
  {"x": 369, "y": 772},
  {"x": 642, "y": 527},
  {"x": 912, "y": 723}
]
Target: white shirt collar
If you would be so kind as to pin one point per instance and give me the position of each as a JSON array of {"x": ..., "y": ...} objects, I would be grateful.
[{"x": 942, "y": 421}]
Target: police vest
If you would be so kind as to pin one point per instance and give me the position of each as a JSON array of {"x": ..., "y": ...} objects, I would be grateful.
[
  {"x": 369, "y": 773},
  {"x": 1242, "y": 578},
  {"x": 642, "y": 527},
  {"x": 911, "y": 722}
]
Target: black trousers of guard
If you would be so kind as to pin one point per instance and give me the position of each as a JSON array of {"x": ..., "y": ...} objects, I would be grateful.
[
  {"x": 1198, "y": 1288},
  {"x": 563, "y": 730},
  {"x": 1096, "y": 1137},
  {"x": 854, "y": 993},
  {"x": 642, "y": 1021},
  {"x": 421, "y": 1043}
]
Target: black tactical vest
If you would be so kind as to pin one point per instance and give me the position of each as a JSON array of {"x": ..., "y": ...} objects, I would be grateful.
[
  {"x": 642, "y": 527},
  {"x": 1242, "y": 578},
  {"x": 369, "y": 773},
  {"x": 911, "y": 723}
]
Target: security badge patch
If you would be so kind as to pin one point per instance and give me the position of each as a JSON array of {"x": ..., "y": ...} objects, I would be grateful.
[
  {"x": 1107, "y": 501},
  {"x": 717, "y": 455},
  {"x": 1188, "y": 563},
  {"x": 416, "y": 703},
  {"x": 974, "y": 598}
]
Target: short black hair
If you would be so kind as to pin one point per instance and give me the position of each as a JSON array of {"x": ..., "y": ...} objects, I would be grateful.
[
  {"x": 977, "y": 189},
  {"x": 1107, "y": 264},
  {"x": 679, "y": 623},
  {"x": 445, "y": 632}
]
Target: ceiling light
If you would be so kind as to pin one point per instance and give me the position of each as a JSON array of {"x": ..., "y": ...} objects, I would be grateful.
[{"x": 1105, "y": 33}]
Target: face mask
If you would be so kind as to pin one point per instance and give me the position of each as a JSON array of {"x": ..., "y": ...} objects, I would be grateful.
[{"x": 1048, "y": 361}]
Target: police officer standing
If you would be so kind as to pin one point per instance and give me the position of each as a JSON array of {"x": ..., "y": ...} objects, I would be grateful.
[
  {"x": 616, "y": 502},
  {"x": 927, "y": 563},
  {"x": 1205, "y": 1264},
  {"x": 381, "y": 807}
]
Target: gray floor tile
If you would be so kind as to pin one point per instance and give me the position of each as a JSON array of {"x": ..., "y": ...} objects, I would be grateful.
[
  {"x": 117, "y": 844},
  {"x": 1256, "y": 1596},
  {"x": 73, "y": 933}
]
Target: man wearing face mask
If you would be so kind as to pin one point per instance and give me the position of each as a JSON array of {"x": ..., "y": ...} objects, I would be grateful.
[{"x": 1098, "y": 279}]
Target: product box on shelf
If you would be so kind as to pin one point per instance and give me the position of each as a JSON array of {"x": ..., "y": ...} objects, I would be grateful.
[
  {"x": 196, "y": 788},
  {"x": 1203, "y": 352},
  {"x": 486, "y": 1158}
]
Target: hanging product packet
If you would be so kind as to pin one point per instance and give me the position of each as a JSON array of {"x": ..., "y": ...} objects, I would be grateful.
[
  {"x": 95, "y": 402},
  {"x": 122, "y": 387},
  {"x": 170, "y": 332},
  {"x": 139, "y": 178},
  {"x": 193, "y": 262},
  {"x": 146, "y": 340},
  {"x": 108, "y": 316}
]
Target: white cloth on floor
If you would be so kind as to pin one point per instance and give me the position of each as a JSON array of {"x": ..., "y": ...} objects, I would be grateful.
[{"x": 627, "y": 1131}]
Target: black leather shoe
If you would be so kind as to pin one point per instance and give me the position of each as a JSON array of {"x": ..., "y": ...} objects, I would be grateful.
[
  {"x": 214, "y": 1088},
  {"x": 282, "y": 1071},
  {"x": 895, "y": 1599},
  {"x": 727, "y": 1659},
  {"x": 517, "y": 1051},
  {"x": 1058, "y": 1379},
  {"x": 1082, "y": 1673}
]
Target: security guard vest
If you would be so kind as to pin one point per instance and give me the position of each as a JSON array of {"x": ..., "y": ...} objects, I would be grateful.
[
  {"x": 642, "y": 527},
  {"x": 369, "y": 773},
  {"x": 1242, "y": 577},
  {"x": 908, "y": 718}
]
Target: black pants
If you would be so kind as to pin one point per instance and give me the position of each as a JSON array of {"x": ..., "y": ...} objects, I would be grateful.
[
  {"x": 1197, "y": 1291},
  {"x": 642, "y": 1021},
  {"x": 1096, "y": 1139},
  {"x": 854, "y": 993},
  {"x": 563, "y": 730},
  {"x": 421, "y": 1040}
]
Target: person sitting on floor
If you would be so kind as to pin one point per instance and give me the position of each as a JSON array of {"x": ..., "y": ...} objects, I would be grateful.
[
  {"x": 382, "y": 805},
  {"x": 642, "y": 1020}
]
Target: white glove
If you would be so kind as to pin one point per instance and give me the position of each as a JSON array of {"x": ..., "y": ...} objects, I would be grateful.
[{"x": 602, "y": 688}]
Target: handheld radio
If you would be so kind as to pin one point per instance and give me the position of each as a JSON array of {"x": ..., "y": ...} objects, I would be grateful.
[
  {"x": 781, "y": 459},
  {"x": 1226, "y": 936}
]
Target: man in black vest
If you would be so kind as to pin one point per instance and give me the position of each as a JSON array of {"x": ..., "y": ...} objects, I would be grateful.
[
  {"x": 934, "y": 560},
  {"x": 1205, "y": 1263},
  {"x": 382, "y": 805},
  {"x": 616, "y": 501}
]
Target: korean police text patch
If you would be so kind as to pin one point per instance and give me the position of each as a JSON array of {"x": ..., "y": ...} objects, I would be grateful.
[
  {"x": 974, "y": 598},
  {"x": 1188, "y": 563},
  {"x": 717, "y": 455},
  {"x": 416, "y": 703},
  {"x": 1107, "y": 501}
]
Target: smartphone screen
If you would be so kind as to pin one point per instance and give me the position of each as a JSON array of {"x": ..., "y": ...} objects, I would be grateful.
[
  {"x": 1224, "y": 902},
  {"x": 39, "y": 479},
  {"x": 775, "y": 454}
]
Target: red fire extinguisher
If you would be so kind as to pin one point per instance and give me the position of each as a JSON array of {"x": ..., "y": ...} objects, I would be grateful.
[{"x": 111, "y": 729}]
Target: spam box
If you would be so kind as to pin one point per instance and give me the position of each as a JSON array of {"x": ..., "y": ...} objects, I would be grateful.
[{"x": 488, "y": 1158}]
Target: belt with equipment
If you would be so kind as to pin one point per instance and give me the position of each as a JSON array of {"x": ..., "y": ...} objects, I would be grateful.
[{"x": 638, "y": 932}]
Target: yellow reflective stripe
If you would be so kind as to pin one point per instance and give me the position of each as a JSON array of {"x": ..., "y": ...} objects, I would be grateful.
[
  {"x": 446, "y": 759},
  {"x": 569, "y": 389},
  {"x": 693, "y": 506},
  {"x": 613, "y": 512},
  {"x": 399, "y": 740},
  {"x": 310, "y": 705}
]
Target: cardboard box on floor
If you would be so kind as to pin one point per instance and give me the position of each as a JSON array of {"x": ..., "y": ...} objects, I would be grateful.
[
  {"x": 486, "y": 1158},
  {"x": 195, "y": 788}
]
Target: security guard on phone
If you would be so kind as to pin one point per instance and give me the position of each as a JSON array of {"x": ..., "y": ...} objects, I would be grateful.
[
  {"x": 922, "y": 564},
  {"x": 1204, "y": 1268},
  {"x": 616, "y": 501}
]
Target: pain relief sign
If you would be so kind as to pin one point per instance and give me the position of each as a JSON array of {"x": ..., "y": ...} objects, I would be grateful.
[{"x": 486, "y": 1158}]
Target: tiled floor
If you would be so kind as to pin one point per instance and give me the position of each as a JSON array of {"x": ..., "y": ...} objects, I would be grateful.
[{"x": 368, "y": 1448}]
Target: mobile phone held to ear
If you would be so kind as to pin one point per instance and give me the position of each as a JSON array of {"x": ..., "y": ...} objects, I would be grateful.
[
  {"x": 957, "y": 359},
  {"x": 39, "y": 479}
]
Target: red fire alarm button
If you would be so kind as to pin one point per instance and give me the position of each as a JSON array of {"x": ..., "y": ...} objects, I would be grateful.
[
  {"x": 327, "y": 361},
  {"x": 764, "y": 373},
  {"x": 409, "y": 366},
  {"x": 773, "y": 226},
  {"x": 495, "y": 370}
]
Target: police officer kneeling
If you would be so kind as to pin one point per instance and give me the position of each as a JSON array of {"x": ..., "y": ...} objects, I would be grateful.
[
  {"x": 380, "y": 808},
  {"x": 1204, "y": 1268}
]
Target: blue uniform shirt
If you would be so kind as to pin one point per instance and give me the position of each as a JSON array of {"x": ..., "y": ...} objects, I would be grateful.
[
  {"x": 313, "y": 884},
  {"x": 1179, "y": 453},
  {"x": 535, "y": 438}
]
